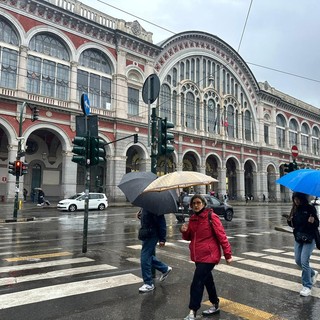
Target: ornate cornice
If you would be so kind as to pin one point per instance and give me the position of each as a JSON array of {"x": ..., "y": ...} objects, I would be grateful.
[{"x": 74, "y": 23}]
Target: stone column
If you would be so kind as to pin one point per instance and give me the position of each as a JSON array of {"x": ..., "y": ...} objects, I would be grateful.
[
  {"x": 22, "y": 70},
  {"x": 240, "y": 185},
  {"x": 69, "y": 175}
]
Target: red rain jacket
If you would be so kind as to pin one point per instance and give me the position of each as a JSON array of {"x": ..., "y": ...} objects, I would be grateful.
[{"x": 206, "y": 244}]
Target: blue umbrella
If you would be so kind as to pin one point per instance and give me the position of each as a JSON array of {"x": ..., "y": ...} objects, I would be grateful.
[
  {"x": 304, "y": 180},
  {"x": 133, "y": 183}
]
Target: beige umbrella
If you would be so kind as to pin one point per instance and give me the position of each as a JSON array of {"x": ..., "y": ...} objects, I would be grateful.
[{"x": 179, "y": 180}]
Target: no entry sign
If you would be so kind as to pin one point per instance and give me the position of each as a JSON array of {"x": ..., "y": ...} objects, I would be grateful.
[{"x": 294, "y": 151}]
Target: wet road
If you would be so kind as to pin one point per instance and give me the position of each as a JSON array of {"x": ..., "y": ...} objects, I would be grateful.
[{"x": 45, "y": 275}]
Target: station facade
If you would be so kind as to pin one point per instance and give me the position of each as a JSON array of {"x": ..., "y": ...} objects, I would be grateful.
[{"x": 227, "y": 125}]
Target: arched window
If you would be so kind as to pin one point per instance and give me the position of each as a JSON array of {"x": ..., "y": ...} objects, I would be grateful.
[
  {"x": 190, "y": 110},
  {"x": 293, "y": 132},
  {"x": 281, "y": 124},
  {"x": 165, "y": 102},
  {"x": 96, "y": 82},
  {"x": 247, "y": 126},
  {"x": 229, "y": 123},
  {"x": 305, "y": 137},
  {"x": 47, "y": 76},
  {"x": 8, "y": 57},
  {"x": 212, "y": 116},
  {"x": 315, "y": 141}
]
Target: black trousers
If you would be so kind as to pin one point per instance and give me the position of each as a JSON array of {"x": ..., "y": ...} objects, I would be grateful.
[{"x": 202, "y": 277}]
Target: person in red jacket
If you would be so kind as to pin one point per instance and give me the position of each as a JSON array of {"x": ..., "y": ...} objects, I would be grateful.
[{"x": 207, "y": 236}]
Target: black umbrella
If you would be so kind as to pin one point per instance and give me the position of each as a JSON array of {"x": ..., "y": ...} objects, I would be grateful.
[{"x": 133, "y": 183}]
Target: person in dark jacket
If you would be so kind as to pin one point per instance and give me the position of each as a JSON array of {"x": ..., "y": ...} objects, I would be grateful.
[
  {"x": 303, "y": 219},
  {"x": 154, "y": 230},
  {"x": 207, "y": 236}
]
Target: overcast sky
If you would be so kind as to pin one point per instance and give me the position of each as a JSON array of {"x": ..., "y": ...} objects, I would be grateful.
[{"x": 280, "y": 34}]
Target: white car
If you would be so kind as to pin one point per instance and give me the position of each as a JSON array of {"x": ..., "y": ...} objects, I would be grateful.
[{"x": 97, "y": 201}]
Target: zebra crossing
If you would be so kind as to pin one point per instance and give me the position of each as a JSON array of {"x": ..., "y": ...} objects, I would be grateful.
[
  {"x": 270, "y": 259},
  {"x": 270, "y": 266}
]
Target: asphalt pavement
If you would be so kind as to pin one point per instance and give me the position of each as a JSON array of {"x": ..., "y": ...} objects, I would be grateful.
[{"x": 29, "y": 211}]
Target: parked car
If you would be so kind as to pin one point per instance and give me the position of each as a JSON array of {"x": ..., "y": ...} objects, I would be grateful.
[
  {"x": 97, "y": 201},
  {"x": 219, "y": 207}
]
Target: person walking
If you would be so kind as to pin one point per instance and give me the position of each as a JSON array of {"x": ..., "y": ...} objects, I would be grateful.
[
  {"x": 207, "y": 236},
  {"x": 304, "y": 221},
  {"x": 25, "y": 194},
  {"x": 153, "y": 230}
]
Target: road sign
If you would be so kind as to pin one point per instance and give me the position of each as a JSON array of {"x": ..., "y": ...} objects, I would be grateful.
[
  {"x": 294, "y": 151},
  {"x": 85, "y": 104},
  {"x": 151, "y": 89}
]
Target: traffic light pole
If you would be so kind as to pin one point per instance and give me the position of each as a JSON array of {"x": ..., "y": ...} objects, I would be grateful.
[
  {"x": 153, "y": 141},
  {"x": 87, "y": 186},
  {"x": 18, "y": 157}
]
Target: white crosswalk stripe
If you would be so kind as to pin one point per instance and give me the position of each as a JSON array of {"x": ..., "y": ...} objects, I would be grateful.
[
  {"x": 38, "y": 272},
  {"x": 65, "y": 290}
]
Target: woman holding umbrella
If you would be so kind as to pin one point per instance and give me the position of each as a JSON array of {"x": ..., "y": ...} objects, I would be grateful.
[
  {"x": 304, "y": 221},
  {"x": 207, "y": 236}
]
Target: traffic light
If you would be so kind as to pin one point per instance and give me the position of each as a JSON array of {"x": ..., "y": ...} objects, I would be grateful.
[
  {"x": 35, "y": 114},
  {"x": 24, "y": 168},
  {"x": 80, "y": 149},
  {"x": 295, "y": 165},
  {"x": 165, "y": 138},
  {"x": 135, "y": 138},
  {"x": 18, "y": 167},
  {"x": 97, "y": 151},
  {"x": 12, "y": 168}
]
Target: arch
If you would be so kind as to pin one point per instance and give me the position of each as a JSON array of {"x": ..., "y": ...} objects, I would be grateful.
[
  {"x": 16, "y": 25},
  {"x": 55, "y": 33},
  {"x": 96, "y": 46}
]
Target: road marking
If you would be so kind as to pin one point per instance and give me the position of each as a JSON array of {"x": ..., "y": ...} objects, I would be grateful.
[
  {"x": 258, "y": 277},
  {"x": 38, "y": 265},
  {"x": 244, "y": 311},
  {"x": 39, "y": 256},
  {"x": 28, "y": 251},
  {"x": 273, "y": 250},
  {"x": 66, "y": 290},
  {"x": 56, "y": 274}
]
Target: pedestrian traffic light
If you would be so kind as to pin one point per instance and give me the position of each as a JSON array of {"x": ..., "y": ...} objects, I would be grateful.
[
  {"x": 24, "y": 168},
  {"x": 35, "y": 114},
  {"x": 80, "y": 149},
  {"x": 18, "y": 167},
  {"x": 12, "y": 168},
  {"x": 165, "y": 138},
  {"x": 97, "y": 151}
]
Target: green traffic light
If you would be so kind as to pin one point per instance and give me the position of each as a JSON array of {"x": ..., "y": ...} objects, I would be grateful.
[
  {"x": 80, "y": 149},
  {"x": 165, "y": 138},
  {"x": 97, "y": 151}
]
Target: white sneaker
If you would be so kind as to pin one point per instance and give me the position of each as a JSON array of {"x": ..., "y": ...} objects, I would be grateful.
[
  {"x": 165, "y": 274},
  {"x": 146, "y": 288},
  {"x": 190, "y": 316},
  {"x": 305, "y": 292},
  {"x": 314, "y": 278}
]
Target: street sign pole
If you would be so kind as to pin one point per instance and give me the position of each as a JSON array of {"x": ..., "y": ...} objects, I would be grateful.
[
  {"x": 150, "y": 93},
  {"x": 85, "y": 105}
]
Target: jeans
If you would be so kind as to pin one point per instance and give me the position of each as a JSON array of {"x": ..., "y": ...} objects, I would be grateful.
[
  {"x": 149, "y": 260},
  {"x": 202, "y": 278},
  {"x": 302, "y": 253}
]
